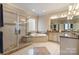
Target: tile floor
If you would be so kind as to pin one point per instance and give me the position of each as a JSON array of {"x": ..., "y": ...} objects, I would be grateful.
[
  {"x": 40, "y": 51},
  {"x": 53, "y": 48}
]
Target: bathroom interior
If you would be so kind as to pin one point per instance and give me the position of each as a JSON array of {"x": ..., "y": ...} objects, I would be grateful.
[{"x": 39, "y": 28}]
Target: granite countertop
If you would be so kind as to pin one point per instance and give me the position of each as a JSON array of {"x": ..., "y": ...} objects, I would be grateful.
[{"x": 69, "y": 35}]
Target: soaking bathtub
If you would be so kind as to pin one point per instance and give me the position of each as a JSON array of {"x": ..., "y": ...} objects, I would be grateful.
[{"x": 39, "y": 37}]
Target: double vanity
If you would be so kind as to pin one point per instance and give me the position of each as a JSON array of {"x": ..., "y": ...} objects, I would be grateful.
[{"x": 69, "y": 42}]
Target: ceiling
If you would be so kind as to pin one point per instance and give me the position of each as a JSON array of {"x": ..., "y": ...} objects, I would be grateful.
[{"x": 43, "y": 8}]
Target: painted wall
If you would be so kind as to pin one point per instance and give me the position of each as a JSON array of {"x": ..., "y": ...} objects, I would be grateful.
[{"x": 43, "y": 24}]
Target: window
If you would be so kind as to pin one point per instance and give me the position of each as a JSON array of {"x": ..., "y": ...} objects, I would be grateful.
[
  {"x": 68, "y": 26},
  {"x": 31, "y": 25}
]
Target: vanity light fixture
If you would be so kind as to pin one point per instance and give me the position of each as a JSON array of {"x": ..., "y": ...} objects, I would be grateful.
[
  {"x": 62, "y": 15},
  {"x": 53, "y": 17},
  {"x": 23, "y": 20},
  {"x": 70, "y": 13}
]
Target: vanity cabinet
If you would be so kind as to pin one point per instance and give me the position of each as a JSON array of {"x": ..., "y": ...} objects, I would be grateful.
[
  {"x": 69, "y": 46},
  {"x": 53, "y": 36}
]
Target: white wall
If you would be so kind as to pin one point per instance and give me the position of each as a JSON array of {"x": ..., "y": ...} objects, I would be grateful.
[
  {"x": 31, "y": 25},
  {"x": 42, "y": 24}
]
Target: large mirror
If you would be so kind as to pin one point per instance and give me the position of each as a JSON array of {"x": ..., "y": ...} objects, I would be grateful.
[{"x": 62, "y": 24}]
